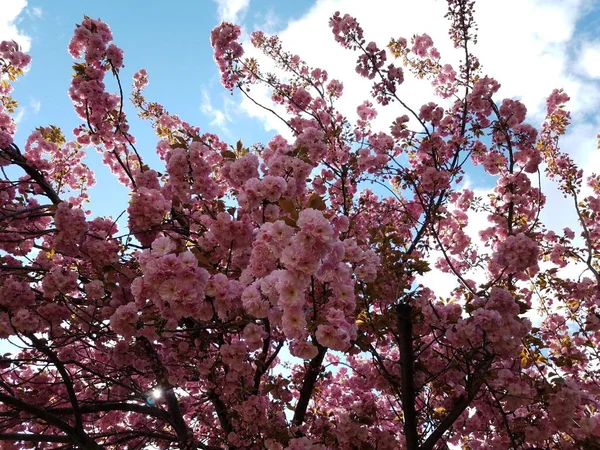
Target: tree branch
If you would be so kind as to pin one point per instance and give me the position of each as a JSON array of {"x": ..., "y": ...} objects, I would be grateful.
[
  {"x": 76, "y": 436},
  {"x": 34, "y": 437},
  {"x": 64, "y": 373},
  {"x": 404, "y": 324},
  {"x": 310, "y": 378},
  {"x": 473, "y": 383},
  {"x": 177, "y": 421},
  {"x": 16, "y": 156}
]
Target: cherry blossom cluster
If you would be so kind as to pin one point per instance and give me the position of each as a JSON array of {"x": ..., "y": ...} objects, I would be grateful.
[
  {"x": 105, "y": 123},
  {"x": 12, "y": 63},
  {"x": 227, "y": 49}
]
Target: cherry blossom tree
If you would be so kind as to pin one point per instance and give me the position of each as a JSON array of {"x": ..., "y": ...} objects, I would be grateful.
[{"x": 268, "y": 296}]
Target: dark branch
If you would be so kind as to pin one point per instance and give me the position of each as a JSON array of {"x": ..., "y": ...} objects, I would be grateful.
[
  {"x": 66, "y": 376},
  {"x": 37, "y": 176},
  {"x": 310, "y": 379},
  {"x": 473, "y": 383},
  {"x": 34, "y": 437},
  {"x": 404, "y": 324},
  {"x": 76, "y": 436}
]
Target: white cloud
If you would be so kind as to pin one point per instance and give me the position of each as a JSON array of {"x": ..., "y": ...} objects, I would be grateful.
[
  {"x": 524, "y": 44},
  {"x": 589, "y": 59},
  {"x": 36, "y": 11},
  {"x": 35, "y": 106},
  {"x": 581, "y": 145},
  {"x": 9, "y": 23},
  {"x": 18, "y": 117},
  {"x": 529, "y": 57},
  {"x": 526, "y": 52},
  {"x": 218, "y": 116},
  {"x": 232, "y": 10},
  {"x": 337, "y": 61},
  {"x": 267, "y": 21}
]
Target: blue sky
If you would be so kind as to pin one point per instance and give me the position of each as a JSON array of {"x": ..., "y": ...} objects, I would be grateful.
[
  {"x": 169, "y": 39},
  {"x": 530, "y": 46}
]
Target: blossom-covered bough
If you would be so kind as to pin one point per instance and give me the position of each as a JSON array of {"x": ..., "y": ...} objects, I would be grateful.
[{"x": 170, "y": 333}]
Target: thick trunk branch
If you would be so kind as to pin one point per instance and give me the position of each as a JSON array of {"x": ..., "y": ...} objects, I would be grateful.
[
  {"x": 310, "y": 379},
  {"x": 176, "y": 416},
  {"x": 407, "y": 361}
]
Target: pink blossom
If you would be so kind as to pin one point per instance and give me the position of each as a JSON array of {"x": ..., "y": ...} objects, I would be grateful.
[
  {"x": 517, "y": 253},
  {"x": 334, "y": 338},
  {"x": 422, "y": 44},
  {"x": 304, "y": 350},
  {"x": 253, "y": 333},
  {"x": 346, "y": 30},
  {"x": 124, "y": 320}
]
